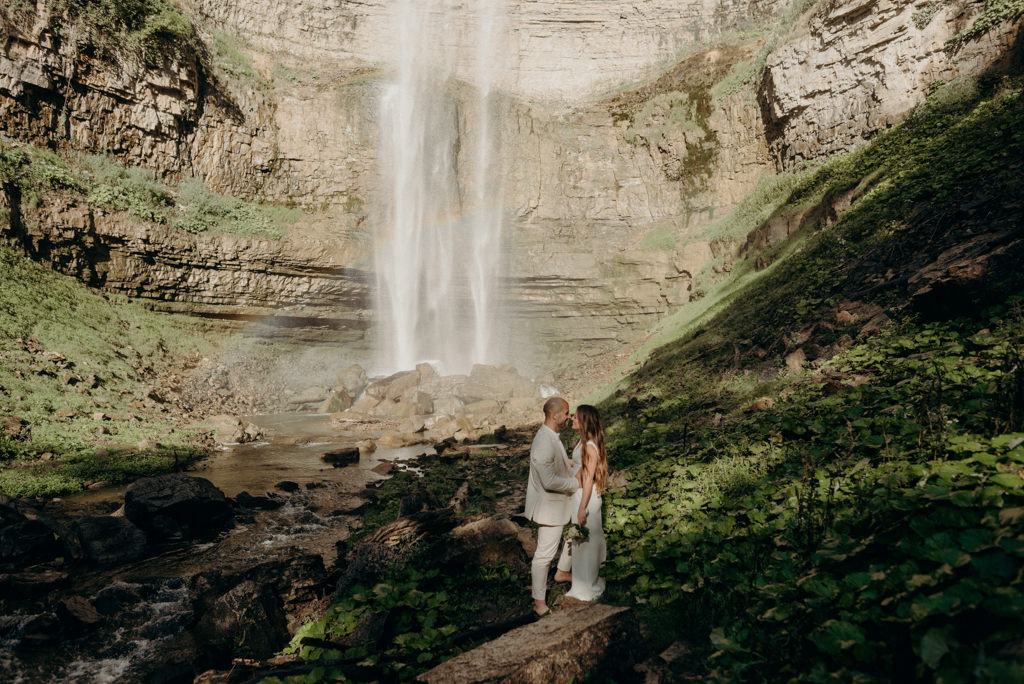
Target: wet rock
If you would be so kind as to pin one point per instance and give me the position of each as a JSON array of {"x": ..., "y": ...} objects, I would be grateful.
[
  {"x": 78, "y": 610},
  {"x": 296, "y": 581},
  {"x": 233, "y": 430},
  {"x": 40, "y": 630},
  {"x": 385, "y": 468},
  {"x": 109, "y": 540},
  {"x": 113, "y": 598},
  {"x": 352, "y": 380},
  {"x": 177, "y": 506},
  {"x": 417, "y": 501},
  {"x": 397, "y": 440},
  {"x": 26, "y": 539},
  {"x": 394, "y": 386},
  {"x": 337, "y": 402},
  {"x": 260, "y": 503},
  {"x": 567, "y": 645},
  {"x": 247, "y": 621},
  {"x": 30, "y": 583},
  {"x": 342, "y": 457},
  {"x": 287, "y": 486}
]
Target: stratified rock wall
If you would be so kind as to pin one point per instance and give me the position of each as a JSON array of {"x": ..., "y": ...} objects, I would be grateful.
[
  {"x": 563, "y": 50},
  {"x": 298, "y": 276},
  {"x": 852, "y": 68},
  {"x": 175, "y": 119}
]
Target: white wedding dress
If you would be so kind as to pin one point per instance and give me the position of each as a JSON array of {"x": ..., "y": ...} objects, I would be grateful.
[{"x": 587, "y": 556}]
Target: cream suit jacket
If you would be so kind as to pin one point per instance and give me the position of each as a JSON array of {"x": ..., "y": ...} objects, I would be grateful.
[{"x": 551, "y": 484}]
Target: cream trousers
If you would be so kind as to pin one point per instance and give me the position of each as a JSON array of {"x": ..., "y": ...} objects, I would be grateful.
[{"x": 548, "y": 537}]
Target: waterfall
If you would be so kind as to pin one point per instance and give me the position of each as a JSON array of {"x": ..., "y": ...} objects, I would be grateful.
[{"x": 438, "y": 253}]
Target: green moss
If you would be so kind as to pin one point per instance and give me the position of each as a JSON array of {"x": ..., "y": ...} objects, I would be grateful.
[
  {"x": 997, "y": 12},
  {"x": 230, "y": 58},
  {"x": 663, "y": 236}
]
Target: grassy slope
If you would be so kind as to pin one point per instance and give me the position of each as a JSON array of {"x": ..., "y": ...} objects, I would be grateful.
[
  {"x": 868, "y": 524},
  {"x": 68, "y": 353}
]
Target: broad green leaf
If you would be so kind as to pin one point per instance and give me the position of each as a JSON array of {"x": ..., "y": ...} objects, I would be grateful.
[{"x": 933, "y": 647}]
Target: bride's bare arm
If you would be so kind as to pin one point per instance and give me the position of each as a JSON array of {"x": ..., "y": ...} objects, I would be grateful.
[{"x": 586, "y": 482}]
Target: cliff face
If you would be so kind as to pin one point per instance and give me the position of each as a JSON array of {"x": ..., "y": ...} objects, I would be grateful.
[
  {"x": 855, "y": 67},
  {"x": 606, "y": 193}
]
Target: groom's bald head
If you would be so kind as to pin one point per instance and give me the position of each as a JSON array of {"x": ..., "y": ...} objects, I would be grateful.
[{"x": 554, "y": 405}]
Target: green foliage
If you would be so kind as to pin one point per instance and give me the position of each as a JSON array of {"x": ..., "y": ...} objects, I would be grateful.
[
  {"x": 750, "y": 70},
  {"x": 230, "y": 58},
  {"x": 107, "y": 183},
  {"x": 868, "y": 526},
  {"x": 132, "y": 190},
  {"x": 151, "y": 27},
  {"x": 996, "y": 13},
  {"x": 426, "y": 611},
  {"x": 54, "y": 335},
  {"x": 873, "y": 529},
  {"x": 203, "y": 210}
]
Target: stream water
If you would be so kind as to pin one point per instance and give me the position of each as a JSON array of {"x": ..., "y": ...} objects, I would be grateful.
[{"x": 148, "y": 605}]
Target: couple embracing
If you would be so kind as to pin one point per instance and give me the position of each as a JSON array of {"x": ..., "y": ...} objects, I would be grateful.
[{"x": 563, "y": 490}]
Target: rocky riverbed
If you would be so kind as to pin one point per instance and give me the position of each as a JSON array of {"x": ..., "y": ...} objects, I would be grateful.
[{"x": 171, "y": 577}]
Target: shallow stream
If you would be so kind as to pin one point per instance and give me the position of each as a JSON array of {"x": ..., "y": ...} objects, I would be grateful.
[{"x": 153, "y": 607}]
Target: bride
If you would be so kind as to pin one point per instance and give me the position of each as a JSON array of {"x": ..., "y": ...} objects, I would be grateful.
[{"x": 588, "y": 555}]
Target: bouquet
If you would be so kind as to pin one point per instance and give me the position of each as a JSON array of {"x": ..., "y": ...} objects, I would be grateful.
[{"x": 576, "y": 533}]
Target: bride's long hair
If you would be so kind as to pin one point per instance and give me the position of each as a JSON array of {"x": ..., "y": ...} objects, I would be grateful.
[{"x": 592, "y": 430}]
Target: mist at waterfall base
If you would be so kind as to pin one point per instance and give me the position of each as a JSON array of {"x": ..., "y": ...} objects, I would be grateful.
[{"x": 438, "y": 253}]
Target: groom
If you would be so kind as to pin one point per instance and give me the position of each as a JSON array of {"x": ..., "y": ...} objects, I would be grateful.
[{"x": 549, "y": 499}]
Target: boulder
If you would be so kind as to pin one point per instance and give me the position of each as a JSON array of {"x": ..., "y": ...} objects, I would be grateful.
[
  {"x": 233, "y": 430},
  {"x": 177, "y": 505},
  {"x": 342, "y": 457},
  {"x": 397, "y": 440},
  {"x": 352, "y": 380},
  {"x": 394, "y": 386},
  {"x": 109, "y": 540},
  {"x": 414, "y": 424},
  {"x": 480, "y": 413},
  {"x": 26, "y": 539},
  {"x": 78, "y": 610},
  {"x": 795, "y": 361},
  {"x": 259, "y": 503},
  {"x": 365, "y": 404},
  {"x": 523, "y": 408},
  {"x": 427, "y": 373},
  {"x": 339, "y": 401},
  {"x": 247, "y": 621},
  {"x": 420, "y": 403},
  {"x": 496, "y": 382},
  {"x": 314, "y": 394},
  {"x": 571, "y": 643},
  {"x": 486, "y": 542}
]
